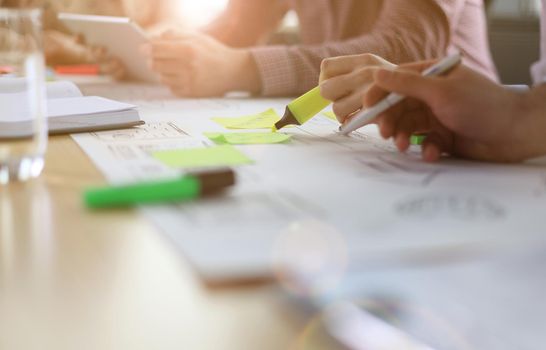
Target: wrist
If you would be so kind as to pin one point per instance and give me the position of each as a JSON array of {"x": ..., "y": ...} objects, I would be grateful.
[{"x": 244, "y": 73}]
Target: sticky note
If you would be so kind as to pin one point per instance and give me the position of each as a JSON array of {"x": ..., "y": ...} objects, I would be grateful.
[
  {"x": 248, "y": 138},
  {"x": 308, "y": 105},
  {"x": 330, "y": 115},
  {"x": 217, "y": 156},
  {"x": 264, "y": 120},
  {"x": 417, "y": 139}
]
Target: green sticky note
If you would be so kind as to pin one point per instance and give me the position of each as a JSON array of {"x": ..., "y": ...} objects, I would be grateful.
[
  {"x": 264, "y": 120},
  {"x": 217, "y": 156},
  {"x": 248, "y": 138},
  {"x": 417, "y": 139},
  {"x": 330, "y": 115},
  {"x": 217, "y": 137},
  {"x": 308, "y": 105}
]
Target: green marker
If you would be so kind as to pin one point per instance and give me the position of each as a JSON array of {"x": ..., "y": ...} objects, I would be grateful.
[
  {"x": 417, "y": 139},
  {"x": 302, "y": 109},
  {"x": 183, "y": 189}
]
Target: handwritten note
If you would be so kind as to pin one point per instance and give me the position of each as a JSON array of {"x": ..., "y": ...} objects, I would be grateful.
[
  {"x": 217, "y": 156},
  {"x": 250, "y": 138},
  {"x": 264, "y": 120}
]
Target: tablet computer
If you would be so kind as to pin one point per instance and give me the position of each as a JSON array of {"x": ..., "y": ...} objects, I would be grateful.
[{"x": 119, "y": 35}]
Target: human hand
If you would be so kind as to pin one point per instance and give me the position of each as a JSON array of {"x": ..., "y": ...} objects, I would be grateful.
[
  {"x": 109, "y": 65},
  {"x": 464, "y": 114},
  {"x": 346, "y": 79},
  {"x": 61, "y": 48},
  {"x": 197, "y": 65}
]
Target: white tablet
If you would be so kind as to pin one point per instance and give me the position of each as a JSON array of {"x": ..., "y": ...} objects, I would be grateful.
[{"x": 122, "y": 37}]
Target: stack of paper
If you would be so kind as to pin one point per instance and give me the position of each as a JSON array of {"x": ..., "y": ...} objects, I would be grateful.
[{"x": 68, "y": 110}]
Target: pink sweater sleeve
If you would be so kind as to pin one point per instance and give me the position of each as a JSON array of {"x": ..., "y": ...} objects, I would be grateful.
[{"x": 405, "y": 31}]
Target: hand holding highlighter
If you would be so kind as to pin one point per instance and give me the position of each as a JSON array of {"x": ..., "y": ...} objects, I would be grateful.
[{"x": 367, "y": 115}]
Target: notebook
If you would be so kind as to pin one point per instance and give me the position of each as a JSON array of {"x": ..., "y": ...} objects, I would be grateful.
[{"x": 68, "y": 111}]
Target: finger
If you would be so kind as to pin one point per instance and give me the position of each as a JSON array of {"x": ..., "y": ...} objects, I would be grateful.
[
  {"x": 333, "y": 67},
  {"x": 179, "y": 34},
  {"x": 408, "y": 83},
  {"x": 168, "y": 34},
  {"x": 402, "y": 141},
  {"x": 418, "y": 66},
  {"x": 175, "y": 49},
  {"x": 413, "y": 121},
  {"x": 114, "y": 68},
  {"x": 177, "y": 81},
  {"x": 373, "y": 96},
  {"x": 336, "y": 66},
  {"x": 435, "y": 144},
  {"x": 79, "y": 39},
  {"x": 339, "y": 87},
  {"x": 376, "y": 93},
  {"x": 405, "y": 127},
  {"x": 100, "y": 53},
  {"x": 179, "y": 91},
  {"x": 146, "y": 49},
  {"x": 388, "y": 120},
  {"x": 431, "y": 152},
  {"x": 348, "y": 105},
  {"x": 171, "y": 67}
]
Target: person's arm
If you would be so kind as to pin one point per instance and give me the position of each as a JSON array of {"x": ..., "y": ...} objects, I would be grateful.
[
  {"x": 246, "y": 22},
  {"x": 215, "y": 60},
  {"x": 143, "y": 12},
  {"x": 406, "y": 31}
]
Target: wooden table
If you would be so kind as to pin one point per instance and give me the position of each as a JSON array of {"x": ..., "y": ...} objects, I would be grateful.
[{"x": 75, "y": 279}]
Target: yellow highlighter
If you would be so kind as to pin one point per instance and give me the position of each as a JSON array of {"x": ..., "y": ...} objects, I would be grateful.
[{"x": 302, "y": 109}]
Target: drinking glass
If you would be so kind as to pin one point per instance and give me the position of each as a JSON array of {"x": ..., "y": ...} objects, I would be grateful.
[{"x": 23, "y": 123}]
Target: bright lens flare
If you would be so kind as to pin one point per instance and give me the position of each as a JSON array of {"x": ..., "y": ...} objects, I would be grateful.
[{"x": 197, "y": 13}]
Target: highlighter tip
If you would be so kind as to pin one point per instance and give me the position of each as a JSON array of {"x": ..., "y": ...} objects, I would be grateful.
[{"x": 287, "y": 119}]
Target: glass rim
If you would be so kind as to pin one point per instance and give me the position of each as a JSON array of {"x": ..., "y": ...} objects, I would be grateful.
[{"x": 6, "y": 12}]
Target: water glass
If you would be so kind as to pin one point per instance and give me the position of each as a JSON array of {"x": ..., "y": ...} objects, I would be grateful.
[{"x": 23, "y": 111}]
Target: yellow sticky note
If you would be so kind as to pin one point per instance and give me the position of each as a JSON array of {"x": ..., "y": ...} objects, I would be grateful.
[
  {"x": 264, "y": 120},
  {"x": 217, "y": 156},
  {"x": 248, "y": 138},
  {"x": 331, "y": 115}
]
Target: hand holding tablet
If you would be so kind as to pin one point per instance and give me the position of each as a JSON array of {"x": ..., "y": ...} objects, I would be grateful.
[{"x": 119, "y": 35}]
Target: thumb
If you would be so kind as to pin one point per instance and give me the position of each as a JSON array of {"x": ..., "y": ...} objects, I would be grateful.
[{"x": 406, "y": 83}]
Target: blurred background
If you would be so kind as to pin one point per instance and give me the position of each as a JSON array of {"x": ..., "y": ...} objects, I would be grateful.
[{"x": 513, "y": 24}]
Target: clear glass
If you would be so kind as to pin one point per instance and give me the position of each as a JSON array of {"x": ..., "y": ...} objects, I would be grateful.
[{"x": 23, "y": 120}]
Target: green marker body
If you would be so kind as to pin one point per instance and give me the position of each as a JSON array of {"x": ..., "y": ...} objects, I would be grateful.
[
  {"x": 417, "y": 139},
  {"x": 185, "y": 188},
  {"x": 305, "y": 107}
]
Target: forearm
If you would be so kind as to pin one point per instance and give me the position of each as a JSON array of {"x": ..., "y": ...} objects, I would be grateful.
[
  {"x": 246, "y": 22},
  {"x": 406, "y": 31}
]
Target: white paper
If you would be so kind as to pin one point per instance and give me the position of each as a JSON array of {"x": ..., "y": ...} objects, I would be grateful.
[
  {"x": 54, "y": 89},
  {"x": 488, "y": 302},
  {"x": 378, "y": 203}
]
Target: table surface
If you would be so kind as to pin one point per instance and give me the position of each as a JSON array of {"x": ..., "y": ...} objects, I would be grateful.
[{"x": 75, "y": 279}]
